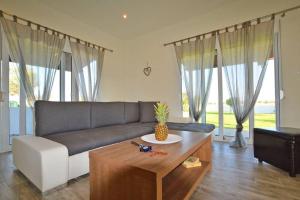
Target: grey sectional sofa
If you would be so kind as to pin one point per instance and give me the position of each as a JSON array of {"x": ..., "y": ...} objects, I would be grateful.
[
  {"x": 82, "y": 126},
  {"x": 67, "y": 131}
]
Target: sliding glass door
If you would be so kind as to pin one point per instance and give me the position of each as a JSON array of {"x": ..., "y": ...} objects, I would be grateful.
[
  {"x": 15, "y": 113},
  {"x": 16, "y": 125},
  {"x": 263, "y": 114},
  {"x": 16, "y": 116},
  {"x": 219, "y": 108}
]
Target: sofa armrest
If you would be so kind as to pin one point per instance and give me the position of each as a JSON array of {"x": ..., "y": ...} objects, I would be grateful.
[
  {"x": 180, "y": 119},
  {"x": 194, "y": 127},
  {"x": 42, "y": 161}
]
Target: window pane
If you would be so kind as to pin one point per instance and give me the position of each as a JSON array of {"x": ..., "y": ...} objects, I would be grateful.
[
  {"x": 228, "y": 115},
  {"x": 85, "y": 79},
  {"x": 29, "y": 120},
  {"x": 66, "y": 67},
  {"x": 212, "y": 109},
  {"x": 265, "y": 106},
  {"x": 185, "y": 101},
  {"x": 55, "y": 92},
  {"x": 68, "y": 86},
  {"x": 88, "y": 77},
  {"x": 14, "y": 101}
]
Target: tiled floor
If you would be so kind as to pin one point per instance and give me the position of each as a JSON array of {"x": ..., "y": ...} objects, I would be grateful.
[{"x": 235, "y": 175}]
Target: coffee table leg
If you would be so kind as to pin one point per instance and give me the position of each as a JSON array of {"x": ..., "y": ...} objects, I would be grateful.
[{"x": 204, "y": 152}]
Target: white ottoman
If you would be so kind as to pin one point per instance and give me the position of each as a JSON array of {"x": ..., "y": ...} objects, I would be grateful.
[{"x": 42, "y": 161}]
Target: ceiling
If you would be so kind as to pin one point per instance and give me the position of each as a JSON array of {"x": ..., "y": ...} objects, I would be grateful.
[{"x": 143, "y": 16}]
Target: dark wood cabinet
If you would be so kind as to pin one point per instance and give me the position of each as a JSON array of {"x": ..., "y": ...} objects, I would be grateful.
[{"x": 279, "y": 147}]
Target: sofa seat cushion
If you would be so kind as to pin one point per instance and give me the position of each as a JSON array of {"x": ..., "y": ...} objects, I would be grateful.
[
  {"x": 195, "y": 127},
  {"x": 84, "y": 140}
]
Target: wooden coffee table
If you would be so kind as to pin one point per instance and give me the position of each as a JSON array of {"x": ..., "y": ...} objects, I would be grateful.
[{"x": 121, "y": 171}]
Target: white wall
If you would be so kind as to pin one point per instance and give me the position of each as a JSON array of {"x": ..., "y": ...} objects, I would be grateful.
[
  {"x": 123, "y": 77},
  {"x": 164, "y": 83},
  {"x": 290, "y": 52},
  {"x": 113, "y": 63}
]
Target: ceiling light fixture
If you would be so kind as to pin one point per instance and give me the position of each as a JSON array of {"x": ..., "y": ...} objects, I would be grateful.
[{"x": 124, "y": 16}]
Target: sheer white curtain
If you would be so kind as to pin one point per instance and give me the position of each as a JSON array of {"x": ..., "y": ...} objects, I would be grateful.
[
  {"x": 196, "y": 61},
  {"x": 1, "y": 93},
  {"x": 245, "y": 53},
  {"x": 37, "y": 54},
  {"x": 88, "y": 63}
]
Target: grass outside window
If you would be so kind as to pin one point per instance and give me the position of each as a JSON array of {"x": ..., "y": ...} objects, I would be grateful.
[{"x": 262, "y": 120}]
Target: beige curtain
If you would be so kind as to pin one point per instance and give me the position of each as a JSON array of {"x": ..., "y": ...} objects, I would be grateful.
[
  {"x": 88, "y": 63},
  {"x": 37, "y": 55},
  {"x": 196, "y": 61},
  {"x": 245, "y": 53}
]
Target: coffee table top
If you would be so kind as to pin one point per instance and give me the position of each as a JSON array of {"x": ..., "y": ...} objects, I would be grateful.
[{"x": 161, "y": 164}]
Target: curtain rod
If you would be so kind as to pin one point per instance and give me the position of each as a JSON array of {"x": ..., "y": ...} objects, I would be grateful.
[
  {"x": 15, "y": 18},
  {"x": 282, "y": 12}
]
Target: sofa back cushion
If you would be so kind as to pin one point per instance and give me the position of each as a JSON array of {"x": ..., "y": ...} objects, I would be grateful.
[
  {"x": 131, "y": 112},
  {"x": 57, "y": 117},
  {"x": 146, "y": 110},
  {"x": 107, "y": 113}
]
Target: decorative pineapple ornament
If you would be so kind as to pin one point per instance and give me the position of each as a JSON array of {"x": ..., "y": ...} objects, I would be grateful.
[{"x": 161, "y": 114}]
